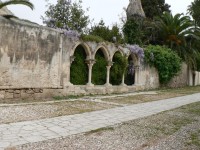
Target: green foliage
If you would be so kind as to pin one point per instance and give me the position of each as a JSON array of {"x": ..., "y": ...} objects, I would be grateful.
[
  {"x": 167, "y": 62},
  {"x": 153, "y": 8},
  {"x": 94, "y": 38},
  {"x": 99, "y": 69},
  {"x": 194, "y": 11},
  {"x": 133, "y": 32},
  {"x": 118, "y": 68},
  {"x": 179, "y": 33},
  {"x": 105, "y": 33},
  {"x": 79, "y": 69},
  {"x": 66, "y": 15}
]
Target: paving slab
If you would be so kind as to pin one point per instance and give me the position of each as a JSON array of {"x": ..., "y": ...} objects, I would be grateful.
[{"x": 14, "y": 134}]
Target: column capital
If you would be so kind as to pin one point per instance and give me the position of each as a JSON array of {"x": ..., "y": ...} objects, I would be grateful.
[
  {"x": 90, "y": 61},
  {"x": 72, "y": 58},
  {"x": 110, "y": 63}
]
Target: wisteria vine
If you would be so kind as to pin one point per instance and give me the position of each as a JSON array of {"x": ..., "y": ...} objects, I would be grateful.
[{"x": 137, "y": 50}]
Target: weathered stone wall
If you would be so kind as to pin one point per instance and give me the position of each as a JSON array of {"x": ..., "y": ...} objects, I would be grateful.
[
  {"x": 35, "y": 62},
  {"x": 181, "y": 79},
  {"x": 29, "y": 56},
  {"x": 149, "y": 77}
]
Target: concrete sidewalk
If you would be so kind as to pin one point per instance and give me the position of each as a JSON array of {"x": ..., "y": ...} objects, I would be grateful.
[{"x": 34, "y": 131}]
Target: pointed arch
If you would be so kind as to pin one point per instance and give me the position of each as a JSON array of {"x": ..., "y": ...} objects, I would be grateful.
[
  {"x": 117, "y": 50},
  {"x": 104, "y": 50},
  {"x": 86, "y": 48}
]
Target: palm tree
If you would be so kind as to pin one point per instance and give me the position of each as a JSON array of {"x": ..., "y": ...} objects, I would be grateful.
[
  {"x": 179, "y": 33},
  {"x": 194, "y": 11}
]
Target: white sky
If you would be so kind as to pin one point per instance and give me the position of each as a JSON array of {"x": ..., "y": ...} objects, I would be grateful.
[{"x": 108, "y": 10}]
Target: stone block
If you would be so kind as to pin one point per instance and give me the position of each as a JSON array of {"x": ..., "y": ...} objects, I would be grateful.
[
  {"x": 8, "y": 95},
  {"x": 17, "y": 95},
  {"x": 38, "y": 90},
  {"x": 2, "y": 94},
  {"x": 29, "y": 91},
  {"x": 10, "y": 91},
  {"x": 17, "y": 92}
]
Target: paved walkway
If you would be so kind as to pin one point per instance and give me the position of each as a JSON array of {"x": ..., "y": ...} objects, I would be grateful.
[{"x": 34, "y": 131}]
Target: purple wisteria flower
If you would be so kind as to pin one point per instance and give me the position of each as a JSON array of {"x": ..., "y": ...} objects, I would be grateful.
[
  {"x": 72, "y": 34},
  {"x": 135, "y": 49}
]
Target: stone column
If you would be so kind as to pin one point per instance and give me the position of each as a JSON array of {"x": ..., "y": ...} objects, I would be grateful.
[
  {"x": 108, "y": 73},
  {"x": 90, "y": 63},
  {"x": 123, "y": 78}
]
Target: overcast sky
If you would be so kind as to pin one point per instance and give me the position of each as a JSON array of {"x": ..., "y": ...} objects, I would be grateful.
[{"x": 108, "y": 10}]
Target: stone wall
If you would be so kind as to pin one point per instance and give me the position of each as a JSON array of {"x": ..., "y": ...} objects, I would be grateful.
[
  {"x": 35, "y": 62},
  {"x": 182, "y": 78},
  {"x": 30, "y": 56}
]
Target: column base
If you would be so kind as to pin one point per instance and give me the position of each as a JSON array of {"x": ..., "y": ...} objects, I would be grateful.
[
  {"x": 108, "y": 84},
  {"x": 90, "y": 84},
  {"x": 123, "y": 84}
]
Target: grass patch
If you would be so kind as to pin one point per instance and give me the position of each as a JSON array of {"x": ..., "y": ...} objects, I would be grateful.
[
  {"x": 141, "y": 98},
  {"x": 195, "y": 139},
  {"x": 184, "y": 90},
  {"x": 192, "y": 109}
]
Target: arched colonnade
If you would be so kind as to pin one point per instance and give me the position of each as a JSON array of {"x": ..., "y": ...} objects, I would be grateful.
[{"x": 93, "y": 55}]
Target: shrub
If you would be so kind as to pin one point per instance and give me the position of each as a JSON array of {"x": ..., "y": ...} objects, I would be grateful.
[
  {"x": 79, "y": 69},
  {"x": 99, "y": 69},
  {"x": 167, "y": 62},
  {"x": 118, "y": 69},
  {"x": 94, "y": 38}
]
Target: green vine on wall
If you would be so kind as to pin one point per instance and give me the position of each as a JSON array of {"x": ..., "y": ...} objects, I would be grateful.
[
  {"x": 167, "y": 62},
  {"x": 79, "y": 69}
]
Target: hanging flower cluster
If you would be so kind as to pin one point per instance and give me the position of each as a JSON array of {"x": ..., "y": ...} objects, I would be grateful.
[
  {"x": 73, "y": 34},
  {"x": 135, "y": 49}
]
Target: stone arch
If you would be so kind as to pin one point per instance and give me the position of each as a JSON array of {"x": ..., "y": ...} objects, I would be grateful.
[
  {"x": 85, "y": 46},
  {"x": 118, "y": 50},
  {"x": 79, "y": 68},
  {"x": 132, "y": 70},
  {"x": 104, "y": 50}
]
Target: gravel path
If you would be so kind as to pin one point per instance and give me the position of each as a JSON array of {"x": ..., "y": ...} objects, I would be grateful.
[
  {"x": 41, "y": 130},
  {"x": 12, "y": 113},
  {"x": 151, "y": 133}
]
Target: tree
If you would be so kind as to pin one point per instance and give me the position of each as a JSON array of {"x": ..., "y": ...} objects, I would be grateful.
[
  {"x": 153, "y": 8},
  {"x": 179, "y": 33},
  {"x": 194, "y": 11},
  {"x": 111, "y": 35},
  {"x": 15, "y": 2},
  {"x": 133, "y": 31},
  {"x": 66, "y": 15}
]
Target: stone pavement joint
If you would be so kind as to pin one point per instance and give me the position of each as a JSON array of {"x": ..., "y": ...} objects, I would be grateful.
[{"x": 14, "y": 134}]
